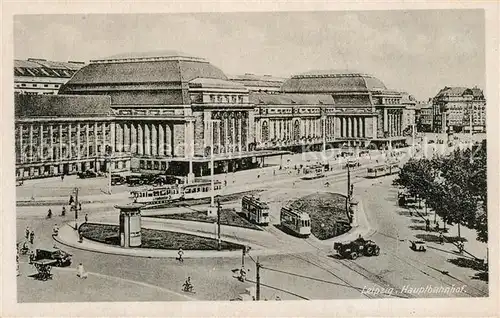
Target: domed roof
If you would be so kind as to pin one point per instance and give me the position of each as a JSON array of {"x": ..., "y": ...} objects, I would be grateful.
[
  {"x": 146, "y": 68},
  {"x": 148, "y": 55},
  {"x": 332, "y": 81}
]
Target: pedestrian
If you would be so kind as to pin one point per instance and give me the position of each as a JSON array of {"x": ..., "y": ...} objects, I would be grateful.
[
  {"x": 243, "y": 274},
  {"x": 62, "y": 177},
  {"x": 79, "y": 206},
  {"x": 86, "y": 217},
  {"x": 17, "y": 265},
  {"x": 427, "y": 225},
  {"x": 27, "y": 233},
  {"x": 80, "y": 272},
  {"x": 31, "y": 256},
  {"x": 180, "y": 253},
  {"x": 71, "y": 200},
  {"x": 441, "y": 238},
  {"x": 55, "y": 230},
  {"x": 32, "y": 236},
  {"x": 63, "y": 213}
]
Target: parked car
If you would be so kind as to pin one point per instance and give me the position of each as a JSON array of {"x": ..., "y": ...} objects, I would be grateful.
[
  {"x": 87, "y": 174},
  {"x": 62, "y": 258},
  {"x": 117, "y": 179},
  {"x": 418, "y": 246},
  {"x": 133, "y": 181}
]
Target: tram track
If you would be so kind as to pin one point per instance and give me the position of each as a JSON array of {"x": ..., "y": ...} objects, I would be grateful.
[{"x": 425, "y": 267}]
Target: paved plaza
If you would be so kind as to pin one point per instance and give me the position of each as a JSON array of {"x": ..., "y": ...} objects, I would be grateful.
[{"x": 295, "y": 268}]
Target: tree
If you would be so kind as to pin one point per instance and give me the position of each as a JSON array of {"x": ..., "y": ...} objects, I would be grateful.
[{"x": 454, "y": 187}]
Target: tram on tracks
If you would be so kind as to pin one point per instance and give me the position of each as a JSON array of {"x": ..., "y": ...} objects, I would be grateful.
[
  {"x": 153, "y": 197},
  {"x": 314, "y": 172},
  {"x": 382, "y": 170},
  {"x": 157, "y": 196},
  {"x": 200, "y": 190},
  {"x": 298, "y": 223},
  {"x": 255, "y": 211}
]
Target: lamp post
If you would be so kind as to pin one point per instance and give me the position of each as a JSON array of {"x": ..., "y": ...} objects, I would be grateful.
[
  {"x": 218, "y": 225},
  {"x": 212, "y": 121},
  {"x": 108, "y": 160}
]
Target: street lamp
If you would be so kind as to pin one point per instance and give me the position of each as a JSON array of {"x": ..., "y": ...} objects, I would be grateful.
[
  {"x": 108, "y": 160},
  {"x": 212, "y": 121},
  {"x": 218, "y": 225}
]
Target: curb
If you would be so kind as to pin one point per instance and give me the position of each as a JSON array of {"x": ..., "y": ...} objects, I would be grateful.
[{"x": 122, "y": 252}]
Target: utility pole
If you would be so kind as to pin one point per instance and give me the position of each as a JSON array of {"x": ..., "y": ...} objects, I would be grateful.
[
  {"x": 243, "y": 256},
  {"x": 348, "y": 182},
  {"x": 76, "y": 203},
  {"x": 218, "y": 225},
  {"x": 470, "y": 123},
  {"x": 257, "y": 292}
]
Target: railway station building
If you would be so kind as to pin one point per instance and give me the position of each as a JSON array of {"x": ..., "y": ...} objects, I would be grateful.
[{"x": 169, "y": 112}]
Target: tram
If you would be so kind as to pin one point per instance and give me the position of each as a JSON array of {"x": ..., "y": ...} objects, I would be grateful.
[
  {"x": 153, "y": 197},
  {"x": 313, "y": 172},
  {"x": 382, "y": 170},
  {"x": 255, "y": 210},
  {"x": 199, "y": 190},
  {"x": 299, "y": 223}
]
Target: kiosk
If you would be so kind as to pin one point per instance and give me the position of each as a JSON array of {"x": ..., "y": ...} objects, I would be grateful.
[{"x": 130, "y": 224}]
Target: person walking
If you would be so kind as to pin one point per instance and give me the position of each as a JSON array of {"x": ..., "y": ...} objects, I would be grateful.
[
  {"x": 180, "y": 253},
  {"x": 55, "y": 230},
  {"x": 71, "y": 200},
  {"x": 17, "y": 265},
  {"x": 86, "y": 217},
  {"x": 62, "y": 177},
  {"x": 79, "y": 206},
  {"x": 80, "y": 272},
  {"x": 441, "y": 238},
  {"x": 427, "y": 225},
  {"x": 32, "y": 236},
  {"x": 27, "y": 233}
]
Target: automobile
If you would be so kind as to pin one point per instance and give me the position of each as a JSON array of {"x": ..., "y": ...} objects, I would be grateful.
[
  {"x": 418, "y": 246},
  {"x": 63, "y": 258},
  {"x": 431, "y": 141},
  {"x": 134, "y": 181},
  {"x": 117, "y": 179},
  {"x": 87, "y": 174},
  {"x": 353, "y": 249}
]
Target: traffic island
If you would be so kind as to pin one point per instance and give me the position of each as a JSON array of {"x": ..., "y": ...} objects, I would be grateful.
[
  {"x": 154, "y": 239},
  {"x": 227, "y": 217},
  {"x": 329, "y": 217}
]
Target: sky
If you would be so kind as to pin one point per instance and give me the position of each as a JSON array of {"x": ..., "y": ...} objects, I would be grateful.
[{"x": 417, "y": 51}]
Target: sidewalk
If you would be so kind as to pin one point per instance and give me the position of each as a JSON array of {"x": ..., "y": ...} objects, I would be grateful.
[
  {"x": 473, "y": 247},
  {"x": 364, "y": 228},
  {"x": 237, "y": 182}
]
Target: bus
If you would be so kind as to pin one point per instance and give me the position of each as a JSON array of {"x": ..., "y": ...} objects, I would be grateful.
[
  {"x": 200, "y": 189},
  {"x": 155, "y": 197},
  {"x": 299, "y": 223},
  {"x": 255, "y": 210},
  {"x": 313, "y": 172}
]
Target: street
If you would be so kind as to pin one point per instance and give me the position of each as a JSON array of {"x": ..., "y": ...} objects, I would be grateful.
[{"x": 293, "y": 268}]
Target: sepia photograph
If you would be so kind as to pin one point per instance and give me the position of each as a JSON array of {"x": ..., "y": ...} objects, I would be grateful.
[{"x": 251, "y": 156}]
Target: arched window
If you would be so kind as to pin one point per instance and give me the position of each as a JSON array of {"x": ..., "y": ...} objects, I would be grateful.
[
  {"x": 265, "y": 131},
  {"x": 296, "y": 130}
]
